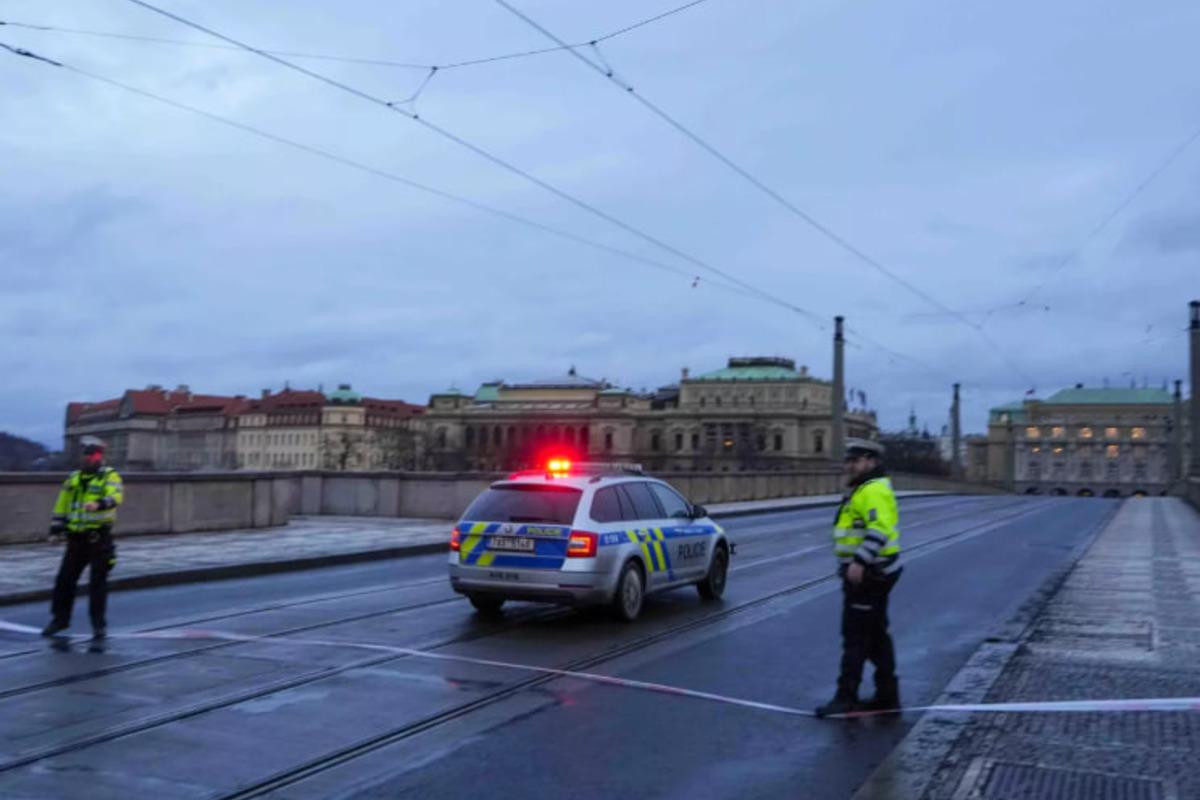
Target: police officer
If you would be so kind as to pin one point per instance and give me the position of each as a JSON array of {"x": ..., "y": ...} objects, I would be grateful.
[
  {"x": 867, "y": 544},
  {"x": 86, "y": 511}
]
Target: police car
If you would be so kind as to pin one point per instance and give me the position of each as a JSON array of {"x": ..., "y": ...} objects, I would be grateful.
[{"x": 584, "y": 534}]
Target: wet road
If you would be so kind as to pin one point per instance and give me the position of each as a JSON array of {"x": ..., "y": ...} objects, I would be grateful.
[{"x": 283, "y": 718}]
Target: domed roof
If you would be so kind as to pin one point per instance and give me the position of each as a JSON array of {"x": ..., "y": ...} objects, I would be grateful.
[{"x": 344, "y": 396}]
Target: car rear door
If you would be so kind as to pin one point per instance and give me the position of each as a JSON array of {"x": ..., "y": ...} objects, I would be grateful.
[{"x": 646, "y": 529}]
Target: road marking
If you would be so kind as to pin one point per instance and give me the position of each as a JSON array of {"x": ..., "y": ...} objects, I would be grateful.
[{"x": 1059, "y": 706}]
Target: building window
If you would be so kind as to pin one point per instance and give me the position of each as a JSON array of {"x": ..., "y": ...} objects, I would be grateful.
[
  {"x": 470, "y": 437},
  {"x": 678, "y": 442},
  {"x": 1058, "y": 450},
  {"x": 1138, "y": 433},
  {"x": 1139, "y": 470},
  {"x": 608, "y": 441},
  {"x": 702, "y": 402},
  {"x": 727, "y": 444},
  {"x": 1086, "y": 433},
  {"x": 1112, "y": 451},
  {"x": 778, "y": 442},
  {"x": 1111, "y": 433},
  {"x": 1037, "y": 448},
  {"x": 584, "y": 437},
  {"x": 819, "y": 442},
  {"x": 1032, "y": 432},
  {"x": 497, "y": 436},
  {"x": 1035, "y": 469},
  {"x": 1057, "y": 432},
  {"x": 695, "y": 441},
  {"x": 760, "y": 442},
  {"x": 441, "y": 437},
  {"x": 717, "y": 402},
  {"x": 1085, "y": 470},
  {"x": 655, "y": 441}
]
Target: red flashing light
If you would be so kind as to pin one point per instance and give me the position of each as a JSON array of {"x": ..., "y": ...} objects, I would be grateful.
[
  {"x": 582, "y": 544},
  {"x": 558, "y": 467},
  {"x": 455, "y": 540}
]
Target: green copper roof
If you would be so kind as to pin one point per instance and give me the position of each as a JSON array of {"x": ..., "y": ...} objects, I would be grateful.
[
  {"x": 1015, "y": 410},
  {"x": 755, "y": 369},
  {"x": 488, "y": 393},
  {"x": 1111, "y": 397},
  {"x": 344, "y": 396}
]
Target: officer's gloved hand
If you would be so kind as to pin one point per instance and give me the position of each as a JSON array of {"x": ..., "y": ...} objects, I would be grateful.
[{"x": 56, "y": 534}]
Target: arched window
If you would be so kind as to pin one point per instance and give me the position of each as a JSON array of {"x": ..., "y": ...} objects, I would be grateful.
[
  {"x": 818, "y": 442},
  {"x": 470, "y": 436}
]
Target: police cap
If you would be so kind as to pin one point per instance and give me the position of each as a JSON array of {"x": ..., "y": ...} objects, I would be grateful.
[
  {"x": 856, "y": 448},
  {"x": 92, "y": 444}
]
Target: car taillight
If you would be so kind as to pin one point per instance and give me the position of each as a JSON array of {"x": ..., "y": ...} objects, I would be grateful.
[
  {"x": 455, "y": 540},
  {"x": 582, "y": 544}
]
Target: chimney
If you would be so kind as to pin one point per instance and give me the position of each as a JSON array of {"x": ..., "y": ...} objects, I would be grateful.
[
  {"x": 803, "y": 371},
  {"x": 265, "y": 394},
  {"x": 686, "y": 373}
]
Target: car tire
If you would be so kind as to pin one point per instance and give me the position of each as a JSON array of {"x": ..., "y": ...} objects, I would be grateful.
[
  {"x": 713, "y": 585},
  {"x": 631, "y": 593},
  {"x": 488, "y": 606}
]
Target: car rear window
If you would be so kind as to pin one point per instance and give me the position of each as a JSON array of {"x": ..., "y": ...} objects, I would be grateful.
[
  {"x": 516, "y": 502},
  {"x": 644, "y": 504}
]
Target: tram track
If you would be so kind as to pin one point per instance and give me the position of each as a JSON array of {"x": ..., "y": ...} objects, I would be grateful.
[
  {"x": 383, "y": 740},
  {"x": 411, "y": 729}
]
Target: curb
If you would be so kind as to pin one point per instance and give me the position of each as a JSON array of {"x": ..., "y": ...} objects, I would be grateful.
[
  {"x": 252, "y": 569},
  {"x": 911, "y": 766},
  {"x": 801, "y": 506},
  {"x": 232, "y": 571}
]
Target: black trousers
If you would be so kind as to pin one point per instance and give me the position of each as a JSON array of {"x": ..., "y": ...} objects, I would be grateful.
[
  {"x": 83, "y": 550},
  {"x": 865, "y": 634}
]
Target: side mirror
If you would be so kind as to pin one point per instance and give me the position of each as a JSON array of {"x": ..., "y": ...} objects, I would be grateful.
[{"x": 699, "y": 511}]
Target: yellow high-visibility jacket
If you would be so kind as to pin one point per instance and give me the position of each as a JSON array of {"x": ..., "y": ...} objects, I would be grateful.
[
  {"x": 867, "y": 527},
  {"x": 103, "y": 488}
]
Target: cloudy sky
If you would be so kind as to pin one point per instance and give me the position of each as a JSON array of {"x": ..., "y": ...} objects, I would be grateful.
[{"x": 970, "y": 148}]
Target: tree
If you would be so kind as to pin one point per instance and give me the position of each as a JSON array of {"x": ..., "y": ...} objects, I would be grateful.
[
  {"x": 18, "y": 454},
  {"x": 343, "y": 451}
]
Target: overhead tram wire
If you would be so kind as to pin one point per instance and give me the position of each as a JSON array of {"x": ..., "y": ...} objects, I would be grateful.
[
  {"x": 817, "y": 225},
  {"x": 379, "y": 62},
  {"x": 378, "y": 172},
  {"x": 1162, "y": 167},
  {"x": 494, "y": 159}
]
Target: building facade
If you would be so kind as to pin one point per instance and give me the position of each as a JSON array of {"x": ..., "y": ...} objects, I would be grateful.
[
  {"x": 1084, "y": 442},
  {"x": 342, "y": 431},
  {"x": 154, "y": 429},
  {"x": 755, "y": 414},
  {"x": 158, "y": 429}
]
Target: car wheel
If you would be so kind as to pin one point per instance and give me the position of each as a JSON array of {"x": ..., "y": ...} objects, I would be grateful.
[
  {"x": 627, "y": 603},
  {"x": 487, "y": 605},
  {"x": 713, "y": 585}
]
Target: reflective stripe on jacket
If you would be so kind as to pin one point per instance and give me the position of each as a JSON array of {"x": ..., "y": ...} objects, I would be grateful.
[
  {"x": 867, "y": 527},
  {"x": 80, "y": 488}
]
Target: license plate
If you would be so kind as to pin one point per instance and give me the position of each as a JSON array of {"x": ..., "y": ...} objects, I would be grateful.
[{"x": 513, "y": 543}]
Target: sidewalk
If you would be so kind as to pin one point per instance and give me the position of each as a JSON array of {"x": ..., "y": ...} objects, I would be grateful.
[
  {"x": 28, "y": 570},
  {"x": 1124, "y": 624}
]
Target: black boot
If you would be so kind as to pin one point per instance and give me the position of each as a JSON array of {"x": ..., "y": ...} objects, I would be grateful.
[
  {"x": 54, "y": 628},
  {"x": 99, "y": 632},
  {"x": 887, "y": 697},
  {"x": 842, "y": 703}
]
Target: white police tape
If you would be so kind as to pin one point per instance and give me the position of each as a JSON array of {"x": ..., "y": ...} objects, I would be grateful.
[{"x": 1057, "y": 706}]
